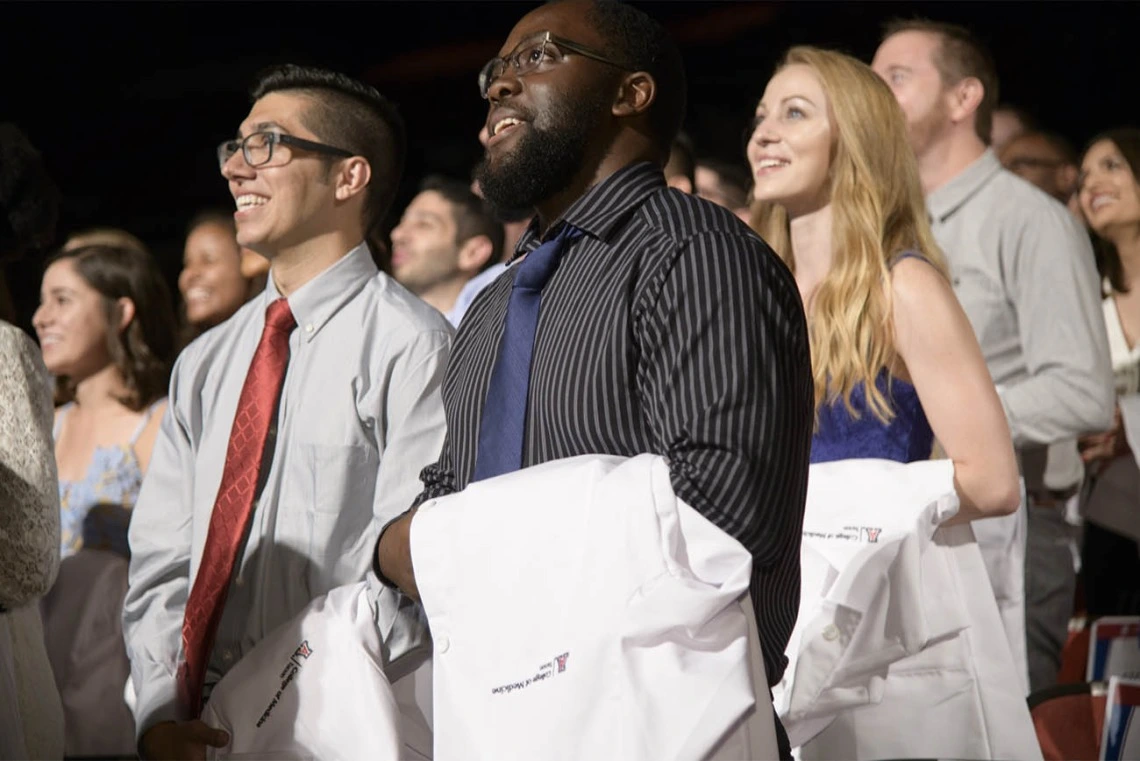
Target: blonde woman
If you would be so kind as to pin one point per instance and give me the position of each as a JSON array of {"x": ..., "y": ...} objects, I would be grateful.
[{"x": 895, "y": 361}]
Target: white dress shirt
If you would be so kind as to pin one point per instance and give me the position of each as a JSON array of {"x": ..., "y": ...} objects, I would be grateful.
[{"x": 359, "y": 416}]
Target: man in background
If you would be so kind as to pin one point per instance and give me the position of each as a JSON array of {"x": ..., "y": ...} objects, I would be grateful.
[{"x": 446, "y": 237}]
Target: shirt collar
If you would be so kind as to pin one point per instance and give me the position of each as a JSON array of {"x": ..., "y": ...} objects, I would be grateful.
[
  {"x": 605, "y": 204},
  {"x": 314, "y": 303},
  {"x": 950, "y": 197}
]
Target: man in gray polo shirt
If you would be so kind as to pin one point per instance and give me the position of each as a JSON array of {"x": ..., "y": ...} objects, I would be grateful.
[{"x": 1024, "y": 272}]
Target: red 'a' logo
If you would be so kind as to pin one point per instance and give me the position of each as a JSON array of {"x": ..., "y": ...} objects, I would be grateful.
[
  {"x": 561, "y": 661},
  {"x": 873, "y": 534}
]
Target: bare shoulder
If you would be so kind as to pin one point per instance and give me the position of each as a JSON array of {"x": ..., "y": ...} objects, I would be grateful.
[{"x": 917, "y": 285}]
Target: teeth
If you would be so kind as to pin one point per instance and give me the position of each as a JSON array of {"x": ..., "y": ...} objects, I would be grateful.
[
  {"x": 1102, "y": 200},
  {"x": 198, "y": 294},
  {"x": 246, "y": 201},
  {"x": 46, "y": 340},
  {"x": 769, "y": 163},
  {"x": 510, "y": 121}
]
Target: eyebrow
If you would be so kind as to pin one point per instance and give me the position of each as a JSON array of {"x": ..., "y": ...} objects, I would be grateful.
[
  {"x": 260, "y": 126},
  {"x": 783, "y": 101}
]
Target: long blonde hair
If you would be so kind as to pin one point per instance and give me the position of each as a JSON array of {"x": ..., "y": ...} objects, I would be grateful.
[{"x": 878, "y": 212}]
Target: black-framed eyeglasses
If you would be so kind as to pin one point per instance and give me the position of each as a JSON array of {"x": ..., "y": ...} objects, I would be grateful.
[
  {"x": 257, "y": 147},
  {"x": 534, "y": 54},
  {"x": 1030, "y": 162}
]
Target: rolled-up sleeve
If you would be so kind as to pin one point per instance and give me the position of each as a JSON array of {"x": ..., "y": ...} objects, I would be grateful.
[
  {"x": 1068, "y": 391},
  {"x": 159, "y": 580}
]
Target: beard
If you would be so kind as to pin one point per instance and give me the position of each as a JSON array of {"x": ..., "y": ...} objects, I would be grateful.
[
  {"x": 926, "y": 130},
  {"x": 546, "y": 159}
]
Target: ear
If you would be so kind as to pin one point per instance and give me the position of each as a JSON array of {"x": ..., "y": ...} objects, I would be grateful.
[
  {"x": 352, "y": 177},
  {"x": 635, "y": 94},
  {"x": 125, "y": 308},
  {"x": 966, "y": 96},
  {"x": 474, "y": 253}
]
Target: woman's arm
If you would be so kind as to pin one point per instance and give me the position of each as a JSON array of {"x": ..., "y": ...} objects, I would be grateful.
[{"x": 936, "y": 342}]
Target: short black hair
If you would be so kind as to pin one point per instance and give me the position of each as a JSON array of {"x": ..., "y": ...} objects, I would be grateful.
[
  {"x": 218, "y": 217},
  {"x": 734, "y": 177},
  {"x": 473, "y": 216},
  {"x": 353, "y": 116},
  {"x": 960, "y": 54},
  {"x": 29, "y": 200},
  {"x": 635, "y": 39}
]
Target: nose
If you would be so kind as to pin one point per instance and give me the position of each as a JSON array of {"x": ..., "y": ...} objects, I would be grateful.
[
  {"x": 40, "y": 318},
  {"x": 235, "y": 168},
  {"x": 503, "y": 86}
]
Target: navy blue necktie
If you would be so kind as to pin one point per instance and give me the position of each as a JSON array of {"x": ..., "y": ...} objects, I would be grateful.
[{"x": 503, "y": 426}]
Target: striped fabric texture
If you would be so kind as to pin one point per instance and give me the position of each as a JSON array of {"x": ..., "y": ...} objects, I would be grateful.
[{"x": 668, "y": 328}]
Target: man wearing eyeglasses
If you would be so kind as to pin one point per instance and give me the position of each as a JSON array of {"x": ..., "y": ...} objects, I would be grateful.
[
  {"x": 295, "y": 429},
  {"x": 664, "y": 326}
]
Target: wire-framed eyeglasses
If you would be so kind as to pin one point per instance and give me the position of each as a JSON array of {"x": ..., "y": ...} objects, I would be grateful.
[{"x": 536, "y": 54}]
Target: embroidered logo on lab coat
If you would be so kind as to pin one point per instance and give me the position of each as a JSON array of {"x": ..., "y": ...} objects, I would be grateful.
[
  {"x": 545, "y": 671},
  {"x": 288, "y": 674}
]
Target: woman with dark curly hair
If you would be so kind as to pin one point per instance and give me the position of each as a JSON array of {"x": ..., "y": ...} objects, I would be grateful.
[{"x": 107, "y": 332}]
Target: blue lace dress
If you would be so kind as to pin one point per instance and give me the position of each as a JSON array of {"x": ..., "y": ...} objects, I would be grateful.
[{"x": 841, "y": 436}]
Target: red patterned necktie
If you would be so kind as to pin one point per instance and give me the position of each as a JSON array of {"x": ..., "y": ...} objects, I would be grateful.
[{"x": 234, "y": 503}]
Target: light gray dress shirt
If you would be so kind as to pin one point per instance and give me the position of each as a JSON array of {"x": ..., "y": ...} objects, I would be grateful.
[
  {"x": 1023, "y": 270},
  {"x": 360, "y": 415}
]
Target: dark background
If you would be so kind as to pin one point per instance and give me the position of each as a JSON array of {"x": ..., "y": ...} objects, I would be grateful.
[{"x": 128, "y": 100}]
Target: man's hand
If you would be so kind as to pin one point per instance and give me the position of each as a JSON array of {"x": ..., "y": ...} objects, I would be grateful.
[
  {"x": 1101, "y": 447},
  {"x": 394, "y": 555},
  {"x": 181, "y": 740}
]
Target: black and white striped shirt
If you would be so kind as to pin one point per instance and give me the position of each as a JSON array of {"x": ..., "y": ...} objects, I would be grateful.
[{"x": 668, "y": 328}]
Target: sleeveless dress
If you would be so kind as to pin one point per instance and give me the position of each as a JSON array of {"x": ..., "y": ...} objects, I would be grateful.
[
  {"x": 843, "y": 436},
  {"x": 94, "y": 512},
  {"x": 83, "y": 612}
]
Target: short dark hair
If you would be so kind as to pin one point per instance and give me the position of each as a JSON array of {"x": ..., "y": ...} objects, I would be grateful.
[
  {"x": 960, "y": 54},
  {"x": 682, "y": 159},
  {"x": 733, "y": 177},
  {"x": 217, "y": 217},
  {"x": 29, "y": 200},
  {"x": 144, "y": 352},
  {"x": 473, "y": 216},
  {"x": 350, "y": 115},
  {"x": 1108, "y": 264},
  {"x": 630, "y": 36}
]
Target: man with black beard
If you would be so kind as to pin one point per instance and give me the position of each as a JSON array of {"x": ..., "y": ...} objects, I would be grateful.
[{"x": 664, "y": 324}]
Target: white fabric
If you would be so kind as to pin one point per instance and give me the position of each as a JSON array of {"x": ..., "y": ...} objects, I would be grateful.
[
  {"x": 314, "y": 688},
  {"x": 895, "y": 653},
  {"x": 579, "y": 610}
]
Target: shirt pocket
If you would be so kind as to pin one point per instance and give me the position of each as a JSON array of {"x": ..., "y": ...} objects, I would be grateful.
[{"x": 340, "y": 512}]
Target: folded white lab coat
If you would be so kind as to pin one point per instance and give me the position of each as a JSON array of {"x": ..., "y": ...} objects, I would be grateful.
[
  {"x": 895, "y": 652},
  {"x": 579, "y": 610},
  {"x": 315, "y": 688}
]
